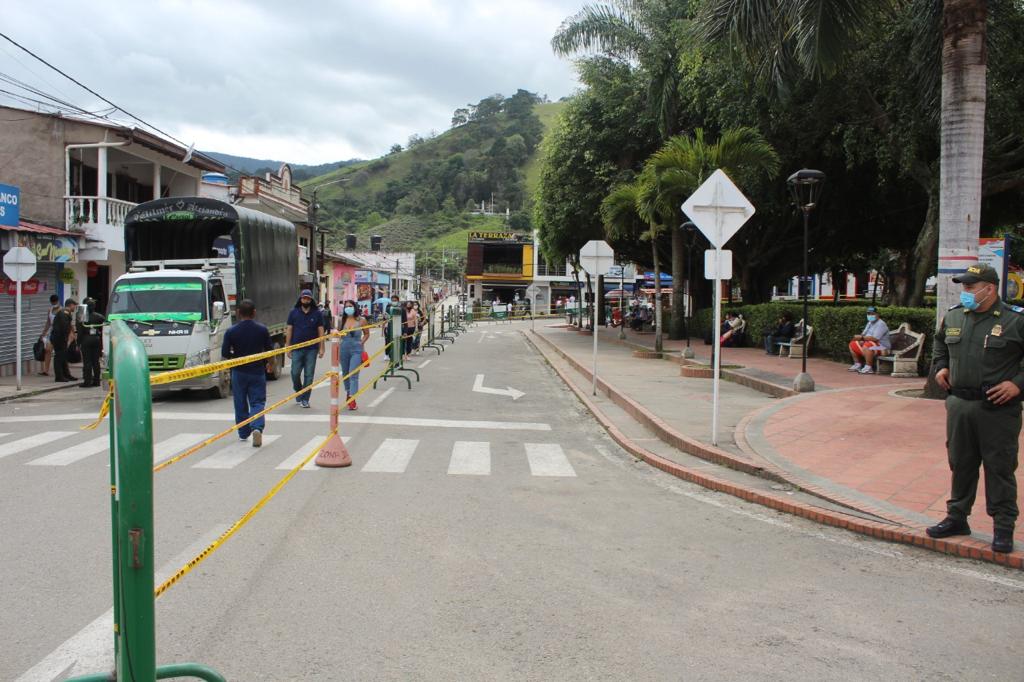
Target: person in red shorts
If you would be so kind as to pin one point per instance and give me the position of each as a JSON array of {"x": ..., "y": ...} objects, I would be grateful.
[{"x": 874, "y": 340}]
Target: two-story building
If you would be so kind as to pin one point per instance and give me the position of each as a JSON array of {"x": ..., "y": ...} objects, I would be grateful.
[
  {"x": 78, "y": 178},
  {"x": 499, "y": 265}
]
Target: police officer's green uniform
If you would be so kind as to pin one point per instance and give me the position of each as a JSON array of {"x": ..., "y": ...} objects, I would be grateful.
[
  {"x": 90, "y": 341},
  {"x": 982, "y": 350}
]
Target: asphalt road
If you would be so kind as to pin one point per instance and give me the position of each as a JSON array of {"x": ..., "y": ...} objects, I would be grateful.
[{"x": 475, "y": 537}]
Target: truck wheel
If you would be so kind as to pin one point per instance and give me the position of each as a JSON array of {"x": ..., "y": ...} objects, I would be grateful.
[
  {"x": 223, "y": 387},
  {"x": 276, "y": 363}
]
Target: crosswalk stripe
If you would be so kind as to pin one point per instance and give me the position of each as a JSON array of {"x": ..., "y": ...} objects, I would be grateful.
[
  {"x": 166, "y": 449},
  {"x": 300, "y": 454},
  {"x": 29, "y": 442},
  {"x": 232, "y": 455},
  {"x": 392, "y": 456},
  {"x": 548, "y": 459},
  {"x": 470, "y": 458},
  {"x": 72, "y": 454},
  {"x": 379, "y": 399}
]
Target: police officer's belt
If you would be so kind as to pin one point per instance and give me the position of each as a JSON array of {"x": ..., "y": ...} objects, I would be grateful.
[
  {"x": 968, "y": 393},
  {"x": 979, "y": 394}
]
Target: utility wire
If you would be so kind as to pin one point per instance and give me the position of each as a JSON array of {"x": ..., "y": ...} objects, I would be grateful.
[{"x": 87, "y": 88}]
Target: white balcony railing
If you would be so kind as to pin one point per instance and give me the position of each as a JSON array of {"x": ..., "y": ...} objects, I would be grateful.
[{"x": 80, "y": 211}]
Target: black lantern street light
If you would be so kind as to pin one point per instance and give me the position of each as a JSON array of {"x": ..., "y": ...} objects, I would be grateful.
[{"x": 805, "y": 186}]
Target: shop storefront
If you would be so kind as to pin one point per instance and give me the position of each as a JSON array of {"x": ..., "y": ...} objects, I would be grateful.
[{"x": 56, "y": 254}]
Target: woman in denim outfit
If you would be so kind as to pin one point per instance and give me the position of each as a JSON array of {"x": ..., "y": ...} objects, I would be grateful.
[{"x": 352, "y": 348}]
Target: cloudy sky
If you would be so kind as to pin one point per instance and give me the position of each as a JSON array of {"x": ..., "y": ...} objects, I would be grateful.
[{"x": 304, "y": 81}]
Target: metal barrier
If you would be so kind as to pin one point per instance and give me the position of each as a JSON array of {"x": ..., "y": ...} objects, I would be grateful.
[
  {"x": 430, "y": 332},
  {"x": 131, "y": 487}
]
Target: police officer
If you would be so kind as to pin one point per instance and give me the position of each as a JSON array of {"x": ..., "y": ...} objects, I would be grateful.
[
  {"x": 978, "y": 359},
  {"x": 90, "y": 340}
]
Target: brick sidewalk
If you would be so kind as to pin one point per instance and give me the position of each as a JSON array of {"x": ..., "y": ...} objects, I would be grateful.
[{"x": 854, "y": 437}]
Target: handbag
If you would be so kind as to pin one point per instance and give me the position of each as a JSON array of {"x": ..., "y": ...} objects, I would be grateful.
[
  {"x": 39, "y": 349},
  {"x": 365, "y": 358},
  {"x": 74, "y": 354}
]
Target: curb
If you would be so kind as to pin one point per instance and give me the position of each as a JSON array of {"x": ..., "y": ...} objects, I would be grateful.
[
  {"x": 913, "y": 535},
  {"x": 38, "y": 391}
]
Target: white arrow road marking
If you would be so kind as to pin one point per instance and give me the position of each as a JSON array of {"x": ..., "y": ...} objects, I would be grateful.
[{"x": 478, "y": 386}]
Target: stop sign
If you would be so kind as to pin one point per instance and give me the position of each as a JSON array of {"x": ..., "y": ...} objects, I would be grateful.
[{"x": 19, "y": 264}]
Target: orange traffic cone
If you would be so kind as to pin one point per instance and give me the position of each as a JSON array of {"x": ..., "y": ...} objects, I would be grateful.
[{"x": 334, "y": 454}]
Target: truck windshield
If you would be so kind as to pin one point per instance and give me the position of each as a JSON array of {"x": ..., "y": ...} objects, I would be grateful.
[{"x": 158, "y": 299}]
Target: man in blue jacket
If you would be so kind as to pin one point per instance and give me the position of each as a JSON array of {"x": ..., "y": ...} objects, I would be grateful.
[
  {"x": 305, "y": 323},
  {"x": 249, "y": 381}
]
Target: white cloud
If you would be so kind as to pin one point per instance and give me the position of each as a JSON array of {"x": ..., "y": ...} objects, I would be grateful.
[{"x": 305, "y": 81}]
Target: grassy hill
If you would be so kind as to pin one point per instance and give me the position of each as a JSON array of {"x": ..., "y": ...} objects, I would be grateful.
[
  {"x": 251, "y": 166},
  {"x": 418, "y": 198}
]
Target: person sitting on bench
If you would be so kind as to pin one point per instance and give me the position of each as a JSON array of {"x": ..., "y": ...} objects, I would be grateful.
[
  {"x": 782, "y": 333},
  {"x": 874, "y": 340}
]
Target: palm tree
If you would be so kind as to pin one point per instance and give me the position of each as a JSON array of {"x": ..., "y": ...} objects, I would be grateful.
[
  {"x": 634, "y": 210},
  {"x": 781, "y": 36},
  {"x": 683, "y": 164},
  {"x": 638, "y": 31}
]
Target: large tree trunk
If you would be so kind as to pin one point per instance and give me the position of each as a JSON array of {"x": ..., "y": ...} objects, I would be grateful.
[
  {"x": 962, "y": 140},
  {"x": 677, "y": 329},
  {"x": 922, "y": 261},
  {"x": 657, "y": 292}
]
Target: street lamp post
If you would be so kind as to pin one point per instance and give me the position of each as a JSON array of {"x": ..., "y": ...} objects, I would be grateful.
[
  {"x": 691, "y": 233},
  {"x": 319, "y": 262},
  {"x": 805, "y": 187}
]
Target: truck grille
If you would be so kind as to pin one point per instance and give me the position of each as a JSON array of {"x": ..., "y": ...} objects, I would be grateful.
[{"x": 165, "y": 363}]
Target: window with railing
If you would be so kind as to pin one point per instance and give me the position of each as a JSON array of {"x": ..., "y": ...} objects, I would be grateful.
[{"x": 545, "y": 270}]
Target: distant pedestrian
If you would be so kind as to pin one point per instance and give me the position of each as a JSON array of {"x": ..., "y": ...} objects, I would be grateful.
[
  {"x": 62, "y": 334},
  {"x": 409, "y": 329},
  {"x": 325, "y": 311},
  {"x": 45, "y": 336},
  {"x": 305, "y": 323},
  {"x": 90, "y": 341},
  {"x": 248, "y": 381},
  {"x": 977, "y": 359},
  {"x": 353, "y": 345}
]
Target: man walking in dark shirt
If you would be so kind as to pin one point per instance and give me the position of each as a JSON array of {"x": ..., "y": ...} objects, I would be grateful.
[
  {"x": 305, "y": 323},
  {"x": 249, "y": 381}
]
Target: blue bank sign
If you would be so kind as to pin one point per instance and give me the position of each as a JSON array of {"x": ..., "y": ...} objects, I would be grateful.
[{"x": 10, "y": 197}]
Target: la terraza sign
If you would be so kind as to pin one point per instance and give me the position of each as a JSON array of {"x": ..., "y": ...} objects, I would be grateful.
[{"x": 10, "y": 198}]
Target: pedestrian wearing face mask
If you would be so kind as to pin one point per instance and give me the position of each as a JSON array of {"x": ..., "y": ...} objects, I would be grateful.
[
  {"x": 352, "y": 346},
  {"x": 871, "y": 342},
  {"x": 979, "y": 359},
  {"x": 305, "y": 323}
]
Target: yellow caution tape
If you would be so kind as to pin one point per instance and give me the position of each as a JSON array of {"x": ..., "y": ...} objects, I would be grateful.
[
  {"x": 203, "y": 370},
  {"x": 216, "y": 544},
  {"x": 245, "y": 518},
  {"x": 104, "y": 409}
]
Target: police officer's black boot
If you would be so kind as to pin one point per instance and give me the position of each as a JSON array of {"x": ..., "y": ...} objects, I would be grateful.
[
  {"x": 1002, "y": 540},
  {"x": 948, "y": 527}
]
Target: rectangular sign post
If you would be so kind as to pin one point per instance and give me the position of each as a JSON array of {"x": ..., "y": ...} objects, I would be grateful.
[
  {"x": 19, "y": 265},
  {"x": 719, "y": 210},
  {"x": 596, "y": 257}
]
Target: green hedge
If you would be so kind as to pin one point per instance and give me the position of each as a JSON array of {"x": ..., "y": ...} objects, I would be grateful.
[{"x": 833, "y": 325}]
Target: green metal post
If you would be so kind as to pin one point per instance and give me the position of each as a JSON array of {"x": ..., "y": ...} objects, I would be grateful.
[
  {"x": 131, "y": 460},
  {"x": 132, "y": 421}
]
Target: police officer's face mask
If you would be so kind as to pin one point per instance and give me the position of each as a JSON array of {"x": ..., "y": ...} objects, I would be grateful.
[{"x": 971, "y": 301}]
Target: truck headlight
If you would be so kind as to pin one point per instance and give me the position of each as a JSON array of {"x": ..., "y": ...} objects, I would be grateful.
[{"x": 200, "y": 358}]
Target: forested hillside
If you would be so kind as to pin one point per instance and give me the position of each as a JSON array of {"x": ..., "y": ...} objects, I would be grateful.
[{"x": 420, "y": 196}]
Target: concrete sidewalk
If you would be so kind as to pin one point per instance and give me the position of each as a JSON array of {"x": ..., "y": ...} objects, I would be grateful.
[
  {"x": 34, "y": 385},
  {"x": 856, "y": 441}
]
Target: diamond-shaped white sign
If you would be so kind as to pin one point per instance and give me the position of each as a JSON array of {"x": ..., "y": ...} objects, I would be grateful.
[{"x": 718, "y": 208}]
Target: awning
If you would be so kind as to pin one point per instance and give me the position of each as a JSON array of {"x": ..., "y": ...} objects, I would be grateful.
[{"x": 39, "y": 229}]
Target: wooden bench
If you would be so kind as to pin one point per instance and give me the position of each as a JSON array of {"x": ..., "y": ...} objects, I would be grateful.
[
  {"x": 795, "y": 346},
  {"x": 902, "y": 360}
]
